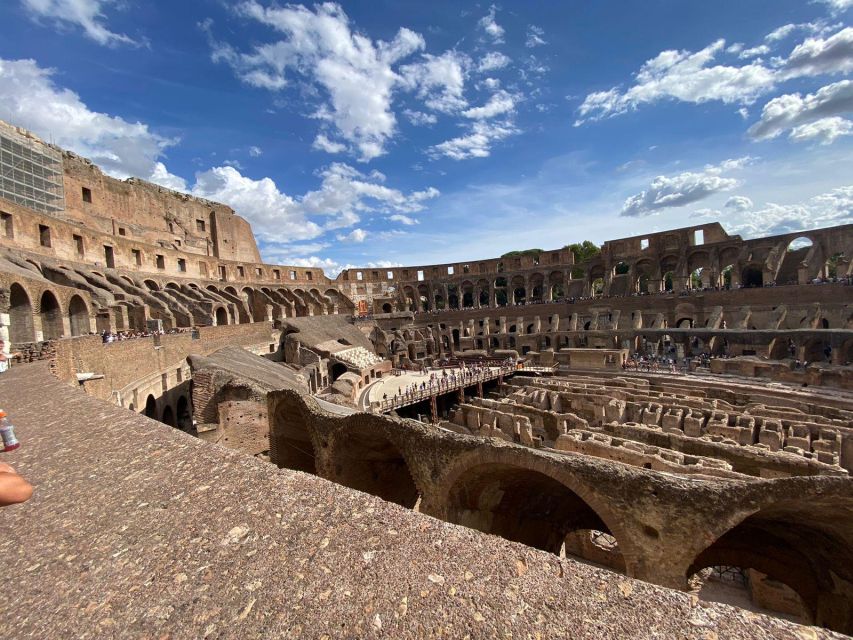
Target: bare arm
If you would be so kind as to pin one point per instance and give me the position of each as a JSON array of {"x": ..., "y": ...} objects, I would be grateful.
[{"x": 13, "y": 487}]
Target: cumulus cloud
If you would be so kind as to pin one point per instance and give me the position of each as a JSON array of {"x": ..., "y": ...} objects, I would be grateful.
[
  {"x": 477, "y": 143},
  {"x": 356, "y": 235},
  {"x": 817, "y": 56},
  {"x": 685, "y": 188},
  {"x": 793, "y": 110},
  {"x": 488, "y": 24},
  {"x": 738, "y": 203},
  {"x": 492, "y": 61},
  {"x": 122, "y": 149},
  {"x": 322, "y": 143},
  {"x": 355, "y": 74},
  {"x": 824, "y": 131},
  {"x": 681, "y": 75},
  {"x": 535, "y": 37},
  {"x": 88, "y": 15},
  {"x": 438, "y": 80},
  {"x": 403, "y": 219},
  {"x": 837, "y": 6},
  {"x": 754, "y": 52},
  {"x": 255, "y": 152},
  {"x": 419, "y": 118},
  {"x": 828, "y": 209},
  {"x": 501, "y": 102}
]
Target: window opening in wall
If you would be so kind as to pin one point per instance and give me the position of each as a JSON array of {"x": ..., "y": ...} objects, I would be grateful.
[
  {"x": 44, "y": 235},
  {"x": 122, "y": 231},
  {"x": 109, "y": 257},
  {"x": 178, "y": 242},
  {"x": 199, "y": 225},
  {"x": 293, "y": 275},
  {"x": 171, "y": 228},
  {"x": 309, "y": 275},
  {"x": 405, "y": 274},
  {"x": 223, "y": 273},
  {"x": 137, "y": 257},
  {"x": 644, "y": 244},
  {"x": 241, "y": 273},
  {"x": 7, "y": 225},
  {"x": 182, "y": 265},
  {"x": 374, "y": 275},
  {"x": 259, "y": 272},
  {"x": 164, "y": 381},
  {"x": 276, "y": 274},
  {"x": 179, "y": 375},
  {"x": 359, "y": 275},
  {"x": 466, "y": 268},
  {"x": 450, "y": 271},
  {"x": 390, "y": 275},
  {"x": 699, "y": 237},
  {"x": 161, "y": 262},
  {"x": 87, "y": 194},
  {"x": 78, "y": 245},
  {"x": 420, "y": 276}
]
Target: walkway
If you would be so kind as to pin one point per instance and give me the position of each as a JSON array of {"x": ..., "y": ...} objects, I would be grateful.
[{"x": 137, "y": 530}]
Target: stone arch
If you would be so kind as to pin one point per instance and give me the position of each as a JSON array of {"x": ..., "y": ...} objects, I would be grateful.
[
  {"x": 151, "y": 285},
  {"x": 151, "y": 407},
  {"x": 522, "y": 498},
  {"x": 364, "y": 458},
  {"x": 798, "y": 543},
  {"x": 78, "y": 314},
  {"x": 752, "y": 276},
  {"x": 172, "y": 285},
  {"x": 221, "y": 316},
  {"x": 336, "y": 370},
  {"x": 387, "y": 308},
  {"x": 21, "y": 326},
  {"x": 168, "y": 416},
  {"x": 51, "y": 316},
  {"x": 183, "y": 415}
]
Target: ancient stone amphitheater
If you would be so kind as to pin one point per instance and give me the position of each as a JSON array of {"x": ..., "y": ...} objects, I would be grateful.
[{"x": 652, "y": 443}]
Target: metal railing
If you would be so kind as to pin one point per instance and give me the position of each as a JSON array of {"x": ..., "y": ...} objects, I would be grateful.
[{"x": 440, "y": 386}]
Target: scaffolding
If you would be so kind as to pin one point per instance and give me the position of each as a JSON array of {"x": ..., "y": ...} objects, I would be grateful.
[{"x": 30, "y": 172}]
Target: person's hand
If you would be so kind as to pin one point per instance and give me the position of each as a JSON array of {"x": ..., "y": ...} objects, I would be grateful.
[{"x": 13, "y": 488}]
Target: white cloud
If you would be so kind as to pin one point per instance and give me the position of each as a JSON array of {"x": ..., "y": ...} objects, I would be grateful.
[
  {"x": 86, "y": 14},
  {"x": 685, "y": 188},
  {"x": 355, "y": 73},
  {"x": 356, "y": 235},
  {"x": 322, "y": 143},
  {"x": 491, "y": 83},
  {"x": 816, "y": 56},
  {"x": 534, "y": 37},
  {"x": 419, "y": 118},
  {"x": 738, "y": 203},
  {"x": 122, "y": 149},
  {"x": 477, "y": 143},
  {"x": 255, "y": 152},
  {"x": 685, "y": 76},
  {"x": 438, "y": 80},
  {"x": 403, "y": 219},
  {"x": 754, "y": 52},
  {"x": 492, "y": 61},
  {"x": 488, "y": 24},
  {"x": 828, "y": 209},
  {"x": 824, "y": 131},
  {"x": 837, "y": 6},
  {"x": 501, "y": 102},
  {"x": 793, "y": 110}
]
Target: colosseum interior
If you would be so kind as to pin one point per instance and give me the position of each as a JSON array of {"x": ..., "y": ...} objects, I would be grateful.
[{"x": 652, "y": 436}]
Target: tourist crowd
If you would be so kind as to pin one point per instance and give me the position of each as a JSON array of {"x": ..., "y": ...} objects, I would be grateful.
[
  {"x": 119, "y": 336},
  {"x": 443, "y": 380}
]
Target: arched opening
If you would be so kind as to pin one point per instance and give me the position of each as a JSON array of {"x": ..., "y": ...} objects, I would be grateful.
[
  {"x": 151, "y": 285},
  {"x": 800, "y": 544},
  {"x": 184, "y": 415},
  {"x": 168, "y": 417},
  {"x": 519, "y": 504},
  {"x": 752, "y": 277},
  {"x": 500, "y": 291},
  {"x": 668, "y": 281},
  {"x": 51, "y": 316},
  {"x": 221, "y": 316},
  {"x": 338, "y": 369},
  {"x": 796, "y": 252},
  {"x": 387, "y": 308},
  {"x": 597, "y": 287},
  {"x": 21, "y": 327},
  {"x": 456, "y": 342},
  {"x": 78, "y": 314},
  {"x": 452, "y": 297},
  {"x": 369, "y": 462},
  {"x": 684, "y": 323},
  {"x": 151, "y": 407}
]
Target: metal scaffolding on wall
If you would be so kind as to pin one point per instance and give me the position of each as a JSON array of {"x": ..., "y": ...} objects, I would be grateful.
[{"x": 30, "y": 173}]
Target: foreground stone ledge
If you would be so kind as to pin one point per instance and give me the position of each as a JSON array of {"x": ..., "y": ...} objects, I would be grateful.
[{"x": 138, "y": 530}]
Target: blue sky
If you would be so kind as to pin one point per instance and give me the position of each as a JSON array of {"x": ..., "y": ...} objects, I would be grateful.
[{"x": 385, "y": 133}]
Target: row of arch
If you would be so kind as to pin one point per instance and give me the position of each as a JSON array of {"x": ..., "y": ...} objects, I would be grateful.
[
  {"x": 54, "y": 320},
  {"x": 527, "y": 503}
]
